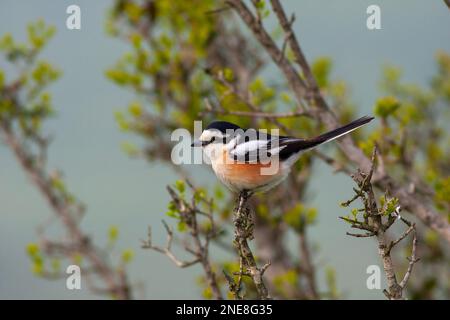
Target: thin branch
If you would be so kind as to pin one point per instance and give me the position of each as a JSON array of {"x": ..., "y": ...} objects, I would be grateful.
[
  {"x": 298, "y": 85},
  {"x": 168, "y": 249},
  {"x": 294, "y": 45},
  {"x": 361, "y": 235},
  {"x": 287, "y": 36},
  {"x": 412, "y": 260},
  {"x": 447, "y": 2},
  {"x": 403, "y": 236},
  {"x": 218, "y": 10},
  {"x": 308, "y": 267}
]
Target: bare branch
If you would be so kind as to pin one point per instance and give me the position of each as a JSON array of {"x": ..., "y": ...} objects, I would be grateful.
[
  {"x": 412, "y": 261},
  {"x": 287, "y": 36},
  {"x": 361, "y": 235},
  {"x": 403, "y": 236},
  {"x": 168, "y": 249}
]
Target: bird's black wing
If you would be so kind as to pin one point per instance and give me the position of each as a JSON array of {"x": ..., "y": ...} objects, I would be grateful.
[{"x": 256, "y": 146}]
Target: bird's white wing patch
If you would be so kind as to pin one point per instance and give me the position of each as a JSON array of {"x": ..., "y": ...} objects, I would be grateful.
[
  {"x": 249, "y": 146},
  {"x": 254, "y": 150}
]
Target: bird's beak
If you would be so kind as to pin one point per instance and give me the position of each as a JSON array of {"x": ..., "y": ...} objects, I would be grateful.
[{"x": 197, "y": 143}]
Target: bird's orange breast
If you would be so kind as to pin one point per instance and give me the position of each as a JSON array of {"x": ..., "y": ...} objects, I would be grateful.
[{"x": 245, "y": 175}]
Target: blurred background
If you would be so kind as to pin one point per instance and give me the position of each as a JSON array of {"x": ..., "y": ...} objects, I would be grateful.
[{"x": 131, "y": 193}]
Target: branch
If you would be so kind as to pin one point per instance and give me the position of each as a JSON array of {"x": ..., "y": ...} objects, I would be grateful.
[
  {"x": 403, "y": 236},
  {"x": 306, "y": 90},
  {"x": 287, "y": 37},
  {"x": 243, "y": 231},
  {"x": 361, "y": 235},
  {"x": 412, "y": 261},
  {"x": 308, "y": 267},
  {"x": 377, "y": 226},
  {"x": 297, "y": 84},
  {"x": 188, "y": 214},
  {"x": 270, "y": 244},
  {"x": 294, "y": 45},
  {"x": 63, "y": 209},
  {"x": 447, "y": 2},
  {"x": 168, "y": 249}
]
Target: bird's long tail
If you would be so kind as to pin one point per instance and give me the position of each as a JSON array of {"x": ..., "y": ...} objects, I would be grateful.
[{"x": 333, "y": 134}]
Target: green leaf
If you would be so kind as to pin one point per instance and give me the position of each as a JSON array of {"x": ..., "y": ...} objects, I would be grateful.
[
  {"x": 129, "y": 148},
  {"x": 113, "y": 233},
  {"x": 311, "y": 215},
  {"x": 6, "y": 42},
  {"x": 182, "y": 226},
  {"x": 180, "y": 186},
  {"x": 77, "y": 258},
  {"x": 321, "y": 69},
  {"x": 207, "y": 293},
  {"x": 127, "y": 255},
  {"x": 2, "y": 79},
  {"x": 199, "y": 194},
  {"x": 228, "y": 74},
  {"x": 391, "y": 206},
  {"x": 32, "y": 249},
  {"x": 135, "y": 109},
  {"x": 38, "y": 267},
  {"x": 386, "y": 106},
  {"x": 56, "y": 265}
]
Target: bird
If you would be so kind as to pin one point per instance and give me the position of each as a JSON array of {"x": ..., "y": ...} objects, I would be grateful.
[{"x": 243, "y": 159}]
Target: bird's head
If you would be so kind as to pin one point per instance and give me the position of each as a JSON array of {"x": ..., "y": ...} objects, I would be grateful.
[{"x": 215, "y": 136}]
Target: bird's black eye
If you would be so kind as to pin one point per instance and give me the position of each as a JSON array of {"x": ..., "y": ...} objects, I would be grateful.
[{"x": 205, "y": 143}]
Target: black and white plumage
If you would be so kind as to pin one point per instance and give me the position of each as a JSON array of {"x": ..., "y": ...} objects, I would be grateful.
[{"x": 252, "y": 160}]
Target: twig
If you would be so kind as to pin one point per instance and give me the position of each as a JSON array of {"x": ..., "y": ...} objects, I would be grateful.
[
  {"x": 218, "y": 10},
  {"x": 412, "y": 261},
  {"x": 403, "y": 236},
  {"x": 287, "y": 36},
  {"x": 361, "y": 235},
  {"x": 168, "y": 249}
]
